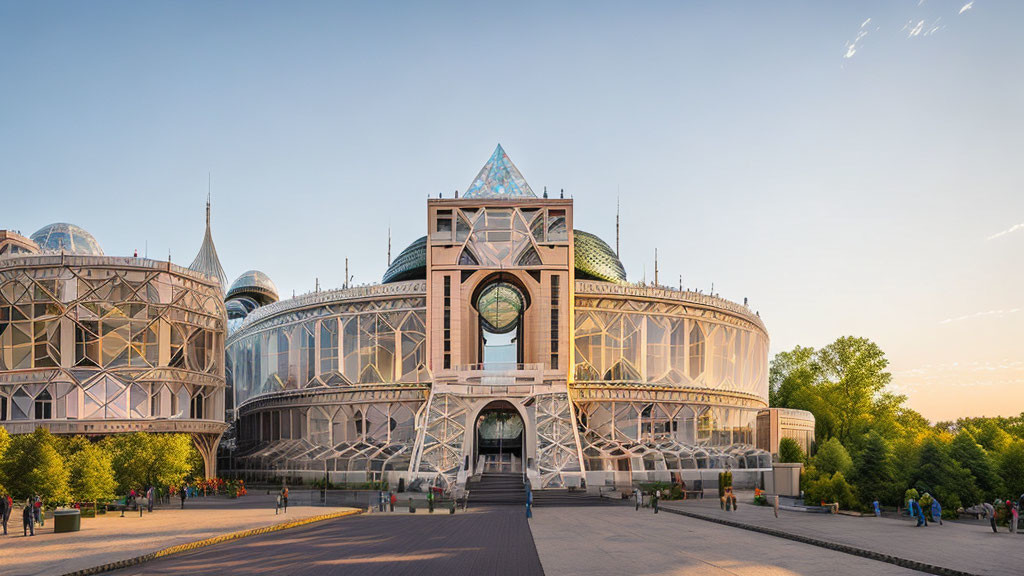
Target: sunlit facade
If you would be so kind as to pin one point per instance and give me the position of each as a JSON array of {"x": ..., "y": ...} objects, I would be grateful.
[
  {"x": 97, "y": 345},
  {"x": 504, "y": 340}
]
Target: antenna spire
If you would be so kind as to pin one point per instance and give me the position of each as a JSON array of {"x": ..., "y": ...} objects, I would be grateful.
[
  {"x": 209, "y": 191},
  {"x": 616, "y": 221},
  {"x": 389, "y": 241},
  {"x": 655, "y": 266}
]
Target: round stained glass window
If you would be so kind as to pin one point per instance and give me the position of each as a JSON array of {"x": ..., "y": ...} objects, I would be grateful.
[{"x": 500, "y": 305}]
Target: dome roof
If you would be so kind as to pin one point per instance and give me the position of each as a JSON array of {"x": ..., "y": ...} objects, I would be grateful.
[
  {"x": 411, "y": 264},
  {"x": 67, "y": 238},
  {"x": 256, "y": 285},
  {"x": 595, "y": 259}
]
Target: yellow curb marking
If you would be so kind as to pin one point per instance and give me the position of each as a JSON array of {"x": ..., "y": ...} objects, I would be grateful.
[{"x": 213, "y": 540}]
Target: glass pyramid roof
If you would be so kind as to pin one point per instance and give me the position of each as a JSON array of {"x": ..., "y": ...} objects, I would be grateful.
[{"x": 499, "y": 178}]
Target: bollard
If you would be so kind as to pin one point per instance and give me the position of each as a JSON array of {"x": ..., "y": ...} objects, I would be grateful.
[{"x": 412, "y": 509}]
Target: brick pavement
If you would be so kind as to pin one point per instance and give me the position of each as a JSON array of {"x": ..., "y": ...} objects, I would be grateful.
[{"x": 109, "y": 538}]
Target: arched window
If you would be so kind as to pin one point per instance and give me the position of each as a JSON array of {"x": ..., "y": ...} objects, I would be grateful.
[
  {"x": 696, "y": 351},
  {"x": 44, "y": 406}
]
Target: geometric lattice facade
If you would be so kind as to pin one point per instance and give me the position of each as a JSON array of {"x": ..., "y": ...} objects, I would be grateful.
[
  {"x": 501, "y": 311},
  {"x": 96, "y": 344}
]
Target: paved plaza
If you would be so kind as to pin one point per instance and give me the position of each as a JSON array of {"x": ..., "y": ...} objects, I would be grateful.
[
  {"x": 966, "y": 546},
  {"x": 619, "y": 540},
  {"x": 492, "y": 541},
  {"x": 110, "y": 538}
]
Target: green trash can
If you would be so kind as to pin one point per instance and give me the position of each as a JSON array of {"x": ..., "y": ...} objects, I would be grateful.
[{"x": 67, "y": 520}]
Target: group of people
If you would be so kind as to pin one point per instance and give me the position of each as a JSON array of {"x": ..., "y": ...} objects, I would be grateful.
[
  {"x": 1012, "y": 511},
  {"x": 638, "y": 495},
  {"x": 916, "y": 508},
  {"x": 31, "y": 513}
]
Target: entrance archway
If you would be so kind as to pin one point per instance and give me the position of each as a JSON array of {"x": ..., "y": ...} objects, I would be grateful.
[{"x": 500, "y": 434}]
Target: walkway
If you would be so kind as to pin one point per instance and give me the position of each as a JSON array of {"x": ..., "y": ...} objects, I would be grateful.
[
  {"x": 480, "y": 541},
  {"x": 110, "y": 538},
  {"x": 967, "y": 547},
  {"x": 619, "y": 540}
]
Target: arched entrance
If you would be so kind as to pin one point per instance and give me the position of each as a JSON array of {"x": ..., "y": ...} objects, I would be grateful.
[{"x": 500, "y": 433}]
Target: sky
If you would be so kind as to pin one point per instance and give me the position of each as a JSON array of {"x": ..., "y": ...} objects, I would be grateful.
[{"x": 851, "y": 169}]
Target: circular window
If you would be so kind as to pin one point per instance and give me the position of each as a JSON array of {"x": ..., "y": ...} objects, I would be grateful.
[{"x": 500, "y": 305}]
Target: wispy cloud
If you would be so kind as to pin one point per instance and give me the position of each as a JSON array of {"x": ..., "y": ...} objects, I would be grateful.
[
  {"x": 993, "y": 313},
  {"x": 1009, "y": 230},
  {"x": 966, "y": 7},
  {"x": 851, "y": 47},
  {"x": 922, "y": 28}
]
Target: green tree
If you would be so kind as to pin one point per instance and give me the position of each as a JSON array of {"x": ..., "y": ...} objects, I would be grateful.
[
  {"x": 1011, "y": 467},
  {"x": 977, "y": 461},
  {"x": 91, "y": 474},
  {"x": 873, "y": 473},
  {"x": 790, "y": 374},
  {"x": 829, "y": 488},
  {"x": 941, "y": 476},
  {"x": 790, "y": 451},
  {"x": 853, "y": 381},
  {"x": 32, "y": 465},
  {"x": 832, "y": 457},
  {"x": 140, "y": 459}
]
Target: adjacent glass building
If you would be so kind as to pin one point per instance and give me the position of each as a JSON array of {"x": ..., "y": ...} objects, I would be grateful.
[
  {"x": 96, "y": 345},
  {"x": 502, "y": 340}
]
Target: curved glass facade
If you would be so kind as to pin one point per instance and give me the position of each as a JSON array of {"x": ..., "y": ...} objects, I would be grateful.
[{"x": 67, "y": 238}]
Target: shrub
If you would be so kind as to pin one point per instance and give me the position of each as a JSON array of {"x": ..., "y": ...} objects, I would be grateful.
[
  {"x": 831, "y": 488},
  {"x": 790, "y": 451}
]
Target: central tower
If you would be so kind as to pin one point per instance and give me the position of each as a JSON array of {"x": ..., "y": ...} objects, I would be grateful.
[{"x": 500, "y": 278}]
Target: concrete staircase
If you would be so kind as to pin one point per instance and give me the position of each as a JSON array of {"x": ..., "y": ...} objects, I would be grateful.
[{"x": 497, "y": 488}]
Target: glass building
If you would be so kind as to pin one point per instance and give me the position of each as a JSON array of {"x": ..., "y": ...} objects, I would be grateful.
[
  {"x": 502, "y": 340},
  {"x": 96, "y": 345}
]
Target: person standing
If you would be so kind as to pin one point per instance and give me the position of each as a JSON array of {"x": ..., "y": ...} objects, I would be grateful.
[
  {"x": 639, "y": 498},
  {"x": 990, "y": 511},
  {"x": 430, "y": 500},
  {"x": 1014, "y": 516},
  {"x": 654, "y": 501},
  {"x": 394, "y": 499},
  {"x": 149, "y": 499},
  {"x": 936, "y": 511},
  {"x": 878, "y": 510},
  {"x": 5, "y": 511},
  {"x": 284, "y": 498},
  {"x": 27, "y": 525},
  {"x": 183, "y": 494},
  {"x": 277, "y": 504},
  {"x": 38, "y": 507}
]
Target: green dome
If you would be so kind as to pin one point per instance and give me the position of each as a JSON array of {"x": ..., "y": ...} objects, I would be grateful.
[
  {"x": 411, "y": 264},
  {"x": 595, "y": 260},
  {"x": 500, "y": 305}
]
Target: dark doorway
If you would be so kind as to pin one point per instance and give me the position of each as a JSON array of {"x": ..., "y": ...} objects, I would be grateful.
[{"x": 500, "y": 434}]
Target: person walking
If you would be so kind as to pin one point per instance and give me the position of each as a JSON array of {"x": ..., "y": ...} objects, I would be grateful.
[
  {"x": 990, "y": 511},
  {"x": 5, "y": 511},
  {"x": 284, "y": 498},
  {"x": 27, "y": 525},
  {"x": 936, "y": 511},
  {"x": 183, "y": 494}
]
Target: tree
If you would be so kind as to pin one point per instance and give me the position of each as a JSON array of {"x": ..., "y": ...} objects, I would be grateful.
[
  {"x": 873, "y": 471},
  {"x": 789, "y": 375},
  {"x": 32, "y": 465},
  {"x": 853, "y": 380},
  {"x": 832, "y": 458},
  {"x": 977, "y": 461},
  {"x": 1011, "y": 467},
  {"x": 942, "y": 477},
  {"x": 140, "y": 459},
  {"x": 91, "y": 475},
  {"x": 790, "y": 451}
]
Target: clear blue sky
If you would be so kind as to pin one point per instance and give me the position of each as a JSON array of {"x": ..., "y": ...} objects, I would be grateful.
[{"x": 842, "y": 195}]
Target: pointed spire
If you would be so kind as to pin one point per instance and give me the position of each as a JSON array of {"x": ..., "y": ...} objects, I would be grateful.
[
  {"x": 206, "y": 260},
  {"x": 389, "y": 239},
  {"x": 655, "y": 266},
  {"x": 499, "y": 178}
]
